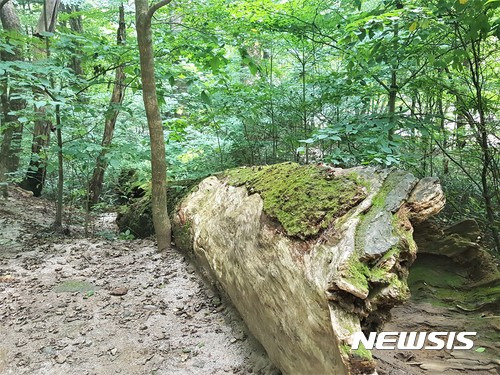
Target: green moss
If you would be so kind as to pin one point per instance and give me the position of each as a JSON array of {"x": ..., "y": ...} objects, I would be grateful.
[
  {"x": 445, "y": 283},
  {"x": 361, "y": 352},
  {"x": 304, "y": 199},
  {"x": 378, "y": 274},
  {"x": 380, "y": 271},
  {"x": 137, "y": 215},
  {"x": 182, "y": 236},
  {"x": 361, "y": 276},
  {"x": 358, "y": 274},
  {"x": 72, "y": 286}
]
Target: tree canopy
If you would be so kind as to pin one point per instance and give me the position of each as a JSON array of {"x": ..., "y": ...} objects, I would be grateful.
[{"x": 394, "y": 83}]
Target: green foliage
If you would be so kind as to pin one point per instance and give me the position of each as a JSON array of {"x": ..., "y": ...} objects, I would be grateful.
[
  {"x": 127, "y": 235},
  {"x": 409, "y": 84}
]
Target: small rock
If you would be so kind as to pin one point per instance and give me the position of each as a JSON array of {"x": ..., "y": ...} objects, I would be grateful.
[
  {"x": 199, "y": 364},
  {"x": 48, "y": 350},
  {"x": 121, "y": 291}
]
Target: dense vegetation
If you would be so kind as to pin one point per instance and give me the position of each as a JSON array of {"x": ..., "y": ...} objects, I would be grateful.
[{"x": 411, "y": 84}]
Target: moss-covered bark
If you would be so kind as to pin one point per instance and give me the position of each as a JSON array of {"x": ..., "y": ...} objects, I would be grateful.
[
  {"x": 304, "y": 199},
  {"x": 136, "y": 216}
]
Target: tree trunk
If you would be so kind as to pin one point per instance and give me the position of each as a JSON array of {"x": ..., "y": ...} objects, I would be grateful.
[
  {"x": 35, "y": 176},
  {"x": 48, "y": 18},
  {"x": 304, "y": 108},
  {"x": 11, "y": 128},
  {"x": 95, "y": 186},
  {"x": 161, "y": 220},
  {"x": 60, "y": 176},
  {"x": 487, "y": 162},
  {"x": 393, "y": 90},
  {"x": 444, "y": 133},
  {"x": 75, "y": 24}
]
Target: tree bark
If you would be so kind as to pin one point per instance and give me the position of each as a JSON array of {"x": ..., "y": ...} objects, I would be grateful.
[
  {"x": 161, "y": 220},
  {"x": 75, "y": 24},
  {"x": 393, "y": 91},
  {"x": 11, "y": 128},
  {"x": 48, "y": 18},
  {"x": 95, "y": 186},
  {"x": 35, "y": 176},
  {"x": 60, "y": 175}
]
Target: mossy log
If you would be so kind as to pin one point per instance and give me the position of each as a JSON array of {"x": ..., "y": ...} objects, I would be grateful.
[
  {"x": 308, "y": 255},
  {"x": 136, "y": 215}
]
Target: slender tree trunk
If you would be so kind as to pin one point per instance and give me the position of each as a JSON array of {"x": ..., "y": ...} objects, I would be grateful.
[
  {"x": 393, "y": 90},
  {"x": 273, "y": 120},
  {"x": 487, "y": 162},
  {"x": 95, "y": 186},
  {"x": 304, "y": 108},
  {"x": 75, "y": 24},
  {"x": 161, "y": 220},
  {"x": 60, "y": 175},
  {"x": 11, "y": 128},
  {"x": 442, "y": 126},
  {"x": 35, "y": 176}
]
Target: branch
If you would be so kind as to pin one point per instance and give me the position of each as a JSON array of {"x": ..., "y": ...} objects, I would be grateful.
[
  {"x": 443, "y": 150},
  {"x": 155, "y": 7}
]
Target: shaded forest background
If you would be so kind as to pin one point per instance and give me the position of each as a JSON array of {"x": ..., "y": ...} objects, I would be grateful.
[{"x": 407, "y": 84}]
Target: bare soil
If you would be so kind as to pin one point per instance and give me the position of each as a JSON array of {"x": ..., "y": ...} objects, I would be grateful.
[
  {"x": 416, "y": 316},
  {"x": 63, "y": 309}
]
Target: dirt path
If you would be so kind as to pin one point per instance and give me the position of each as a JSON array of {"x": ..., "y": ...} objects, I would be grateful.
[{"x": 58, "y": 314}]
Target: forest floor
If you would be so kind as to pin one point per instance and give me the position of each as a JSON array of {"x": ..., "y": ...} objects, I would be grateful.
[
  {"x": 63, "y": 309},
  {"x": 58, "y": 314},
  {"x": 416, "y": 316}
]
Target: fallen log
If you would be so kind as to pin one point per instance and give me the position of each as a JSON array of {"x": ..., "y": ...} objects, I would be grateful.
[{"x": 309, "y": 255}]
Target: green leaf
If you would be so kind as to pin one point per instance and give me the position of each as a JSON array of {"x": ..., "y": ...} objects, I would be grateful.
[
  {"x": 40, "y": 103},
  {"x": 253, "y": 67},
  {"x": 480, "y": 350},
  {"x": 206, "y": 98},
  {"x": 215, "y": 63}
]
